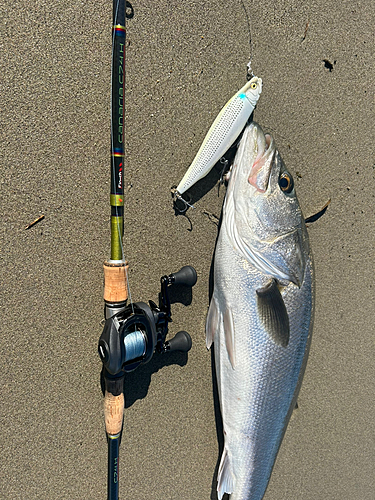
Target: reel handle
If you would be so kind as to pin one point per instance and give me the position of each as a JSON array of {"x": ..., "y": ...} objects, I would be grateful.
[
  {"x": 180, "y": 342},
  {"x": 187, "y": 276}
]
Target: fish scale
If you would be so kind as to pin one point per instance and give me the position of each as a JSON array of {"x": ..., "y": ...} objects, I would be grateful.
[{"x": 258, "y": 379}]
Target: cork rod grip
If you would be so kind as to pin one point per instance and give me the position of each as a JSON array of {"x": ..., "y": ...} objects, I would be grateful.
[
  {"x": 115, "y": 281},
  {"x": 113, "y": 412}
]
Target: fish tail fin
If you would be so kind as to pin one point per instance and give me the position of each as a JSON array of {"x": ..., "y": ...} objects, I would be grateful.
[{"x": 225, "y": 478}]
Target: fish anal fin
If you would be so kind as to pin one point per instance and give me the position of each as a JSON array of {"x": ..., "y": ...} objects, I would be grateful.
[
  {"x": 225, "y": 478},
  {"x": 229, "y": 335},
  {"x": 273, "y": 313},
  {"x": 212, "y": 322}
]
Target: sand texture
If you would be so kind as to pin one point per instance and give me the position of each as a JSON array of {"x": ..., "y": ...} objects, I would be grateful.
[{"x": 184, "y": 61}]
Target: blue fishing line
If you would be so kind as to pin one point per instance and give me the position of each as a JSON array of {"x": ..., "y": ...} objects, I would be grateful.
[{"x": 135, "y": 345}]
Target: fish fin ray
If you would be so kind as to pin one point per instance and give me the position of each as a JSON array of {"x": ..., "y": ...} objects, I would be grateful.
[
  {"x": 212, "y": 322},
  {"x": 319, "y": 214},
  {"x": 273, "y": 313},
  {"x": 229, "y": 335},
  {"x": 225, "y": 478}
]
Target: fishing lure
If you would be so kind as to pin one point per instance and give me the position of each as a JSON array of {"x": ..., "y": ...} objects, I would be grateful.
[{"x": 227, "y": 126}]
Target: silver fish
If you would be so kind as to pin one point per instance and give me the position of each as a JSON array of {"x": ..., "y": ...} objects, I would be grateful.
[
  {"x": 261, "y": 313},
  {"x": 227, "y": 126}
]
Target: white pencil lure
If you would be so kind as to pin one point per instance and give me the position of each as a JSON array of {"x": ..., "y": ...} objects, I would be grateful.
[{"x": 224, "y": 131}]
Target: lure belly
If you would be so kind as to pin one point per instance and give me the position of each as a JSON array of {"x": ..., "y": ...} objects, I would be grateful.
[{"x": 223, "y": 132}]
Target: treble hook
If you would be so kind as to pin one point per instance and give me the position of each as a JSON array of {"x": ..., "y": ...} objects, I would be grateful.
[
  {"x": 178, "y": 198},
  {"x": 224, "y": 162}
]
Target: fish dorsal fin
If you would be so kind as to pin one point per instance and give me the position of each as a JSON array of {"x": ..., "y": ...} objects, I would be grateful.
[
  {"x": 225, "y": 478},
  {"x": 273, "y": 313},
  {"x": 229, "y": 335},
  {"x": 212, "y": 322}
]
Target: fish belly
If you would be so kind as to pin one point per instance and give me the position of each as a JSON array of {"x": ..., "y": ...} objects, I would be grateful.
[{"x": 256, "y": 394}]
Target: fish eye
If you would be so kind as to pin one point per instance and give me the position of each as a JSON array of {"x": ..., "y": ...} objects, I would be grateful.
[
  {"x": 253, "y": 85},
  {"x": 286, "y": 182}
]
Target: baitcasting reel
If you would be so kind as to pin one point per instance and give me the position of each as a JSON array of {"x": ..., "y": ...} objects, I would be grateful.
[{"x": 133, "y": 333}]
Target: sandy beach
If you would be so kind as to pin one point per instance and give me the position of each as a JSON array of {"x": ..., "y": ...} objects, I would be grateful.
[{"x": 184, "y": 60}]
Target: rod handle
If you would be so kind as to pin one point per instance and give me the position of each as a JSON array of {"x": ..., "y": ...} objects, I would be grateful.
[
  {"x": 115, "y": 281},
  {"x": 113, "y": 412}
]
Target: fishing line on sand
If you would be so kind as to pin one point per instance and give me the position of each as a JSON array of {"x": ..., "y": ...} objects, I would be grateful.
[{"x": 250, "y": 72}]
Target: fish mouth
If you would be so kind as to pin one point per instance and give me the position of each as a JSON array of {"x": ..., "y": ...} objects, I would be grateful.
[{"x": 261, "y": 169}]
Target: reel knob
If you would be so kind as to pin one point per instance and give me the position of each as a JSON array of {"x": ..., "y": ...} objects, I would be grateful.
[
  {"x": 180, "y": 342},
  {"x": 187, "y": 276}
]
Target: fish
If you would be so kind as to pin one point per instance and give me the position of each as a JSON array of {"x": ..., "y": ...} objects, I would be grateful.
[
  {"x": 223, "y": 132},
  {"x": 260, "y": 315}
]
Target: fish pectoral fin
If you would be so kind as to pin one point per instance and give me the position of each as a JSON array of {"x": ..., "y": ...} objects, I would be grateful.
[
  {"x": 229, "y": 335},
  {"x": 212, "y": 322},
  {"x": 273, "y": 313},
  {"x": 225, "y": 478}
]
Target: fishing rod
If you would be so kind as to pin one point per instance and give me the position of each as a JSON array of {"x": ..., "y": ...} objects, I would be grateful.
[{"x": 132, "y": 332}]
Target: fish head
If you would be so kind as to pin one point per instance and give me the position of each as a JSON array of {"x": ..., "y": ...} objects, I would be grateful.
[
  {"x": 267, "y": 222},
  {"x": 252, "y": 90}
]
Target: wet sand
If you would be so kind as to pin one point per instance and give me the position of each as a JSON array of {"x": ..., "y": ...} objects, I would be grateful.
[{"x": 184, "y": 61}]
